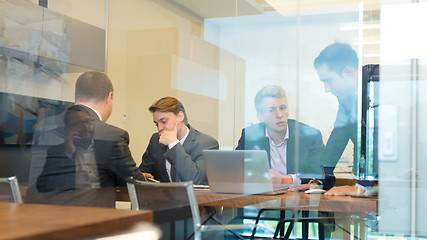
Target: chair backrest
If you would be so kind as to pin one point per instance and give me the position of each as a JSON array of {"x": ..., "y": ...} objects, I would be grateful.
[
  {"x": 9, "y": 190},
  {"x": 166, "y": 199}
]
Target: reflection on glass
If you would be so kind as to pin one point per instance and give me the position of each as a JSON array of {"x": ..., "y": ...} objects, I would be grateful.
[
  {"x": 72, "y": 165},
  {"x": 41, "y": 55}
]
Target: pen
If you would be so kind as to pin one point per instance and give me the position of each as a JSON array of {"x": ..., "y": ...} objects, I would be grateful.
[{"x": 153, "y": 180}]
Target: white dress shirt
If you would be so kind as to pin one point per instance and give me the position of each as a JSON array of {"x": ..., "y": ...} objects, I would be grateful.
[
  {"x": 278, "y": 156},
  {"x": 170, "y": 146}
]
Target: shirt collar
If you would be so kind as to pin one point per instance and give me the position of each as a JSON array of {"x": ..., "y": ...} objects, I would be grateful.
[
  {"x": 185, "y": 136},
  {"x": 284, "y": 139},
  {"x": 99, "y": 116}
]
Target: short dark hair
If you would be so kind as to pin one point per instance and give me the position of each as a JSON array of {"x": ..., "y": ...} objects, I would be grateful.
[
  {"x": 268, "y": 91},
  {"x": 71, "y": 111},
  {"x": 168, "y": 104},
  {"x": 93, "y": 86},
  {"x": 337, "y": 56}
]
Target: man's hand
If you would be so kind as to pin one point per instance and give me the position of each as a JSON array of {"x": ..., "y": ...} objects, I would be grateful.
[
  {"x": 147, "y": 176},
  {"x": 167, "y": 137},
  {"x": 70, "y": 148},
  {"x": 277, "y": 178},
  {"x": 344, "y": 190},
  {"x": 303, "y": 187}
]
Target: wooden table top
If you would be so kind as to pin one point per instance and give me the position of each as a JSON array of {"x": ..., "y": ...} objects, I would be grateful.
[
  {"x": 290, "y": 200},
  {"x": 37, "y": 221}
]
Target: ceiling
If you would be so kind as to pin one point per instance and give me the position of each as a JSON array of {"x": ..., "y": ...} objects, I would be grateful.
[{"x": 230, "y": 8}]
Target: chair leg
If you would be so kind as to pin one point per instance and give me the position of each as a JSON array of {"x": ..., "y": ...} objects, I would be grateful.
[
  {"x": 321, "y": 231},
  {"x": 281, "y": 225},
  {"x": 256, "y": 223},
  {"x": 289, "y": 230},
  {"x": 305, "y": 226},
  {"x": 282, "y": 216}
]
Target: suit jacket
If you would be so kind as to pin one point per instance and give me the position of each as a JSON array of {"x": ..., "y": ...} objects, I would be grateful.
[
  {"x": 345, "y": 129},
  {"x": 310, "y": 146},
  {"x": 113, "y": 158},
  {"x": 186, "y": 160}
]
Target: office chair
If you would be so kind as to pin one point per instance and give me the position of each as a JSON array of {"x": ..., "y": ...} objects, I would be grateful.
[
  {"x": 169, "y": 200},
  {"x": 9, "y": 190}
]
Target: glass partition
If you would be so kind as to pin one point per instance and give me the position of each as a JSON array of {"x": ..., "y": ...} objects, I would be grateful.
[
  {"x": 42, "y": 52},
  {"x": 215, "y": 56},
  {"x": 401, "y": 119},
  {"x": 337, "y": 84}
]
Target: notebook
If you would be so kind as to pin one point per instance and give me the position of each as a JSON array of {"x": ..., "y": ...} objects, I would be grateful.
[{"x": 240, "y": 171}]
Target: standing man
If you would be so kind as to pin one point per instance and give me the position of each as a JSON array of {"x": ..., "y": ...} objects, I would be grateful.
[
  {"x": 337, "y": 67},
  {"x": 94, "y": 153},
  {"x": 278, "y": 136},
  {"x": 175, "y": 152}
]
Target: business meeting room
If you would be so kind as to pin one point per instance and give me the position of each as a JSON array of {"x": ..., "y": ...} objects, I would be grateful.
[{"x": 213, "y": 119}]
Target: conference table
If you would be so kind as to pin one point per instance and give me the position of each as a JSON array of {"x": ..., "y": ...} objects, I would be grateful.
[
  {"x": 290, "y": 200},
  {"x": 42, "y": 221},
  {"x": 350, "y": 207},
  {"x": 30, "y": 219}
]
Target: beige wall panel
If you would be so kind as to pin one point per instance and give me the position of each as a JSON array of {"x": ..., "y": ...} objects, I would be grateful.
[
  {"x": 158, "y": 52},
  {"x": 148, "y": 80}
]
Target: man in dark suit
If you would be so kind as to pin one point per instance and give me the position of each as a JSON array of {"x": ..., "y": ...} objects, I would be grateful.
[
  {"x": 337, "y": 67},
  {"x": 94, "y": 153},
  {"x": 279, "y": 136},
  {"x": 175, "y": 152}
]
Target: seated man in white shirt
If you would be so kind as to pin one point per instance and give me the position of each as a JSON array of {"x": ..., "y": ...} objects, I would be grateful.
[
  {"x": 175, "y": 152},
  {"x": 278, "y": 136}
]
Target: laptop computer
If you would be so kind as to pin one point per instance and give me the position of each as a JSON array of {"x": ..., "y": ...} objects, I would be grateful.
[{"x": 240, "y": 171}]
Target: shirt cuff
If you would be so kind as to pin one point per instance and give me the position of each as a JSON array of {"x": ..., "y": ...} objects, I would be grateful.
[
  {"x": 295, "y": 179},
  {"x": 171, "y": 145},
  {"x": 361, "y": 187}
]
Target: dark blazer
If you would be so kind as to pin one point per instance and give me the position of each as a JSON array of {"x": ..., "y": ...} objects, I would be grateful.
[
  {"x": 186, "y": 160},
  {"x": 310, "y": 146},
  {"x": 345, "y": 129},
  {"x": 113, "y": 157}
]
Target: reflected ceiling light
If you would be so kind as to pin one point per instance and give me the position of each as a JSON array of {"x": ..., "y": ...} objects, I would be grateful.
[
  {"x": 356, "y": 27},
  {"x": 319, "y": 7}
]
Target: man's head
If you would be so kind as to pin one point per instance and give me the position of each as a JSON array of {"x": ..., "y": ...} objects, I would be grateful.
[
  {"x": 168, "y": 112},
  {"x": 337, "y": 66},
  {"x": 96, "y": 90},
  {"x": 272, "y": 108}
]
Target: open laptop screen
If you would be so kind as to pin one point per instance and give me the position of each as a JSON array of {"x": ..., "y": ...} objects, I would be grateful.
[{"x": 238, "y": 171}]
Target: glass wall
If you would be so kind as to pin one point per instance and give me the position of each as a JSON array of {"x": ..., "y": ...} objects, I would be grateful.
[
  {"x": 352, "y": 73},
  {"x": 401, "y": 119},
  {"x": 222, "y": 58},
  {"x": 216, "y": 55}
]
